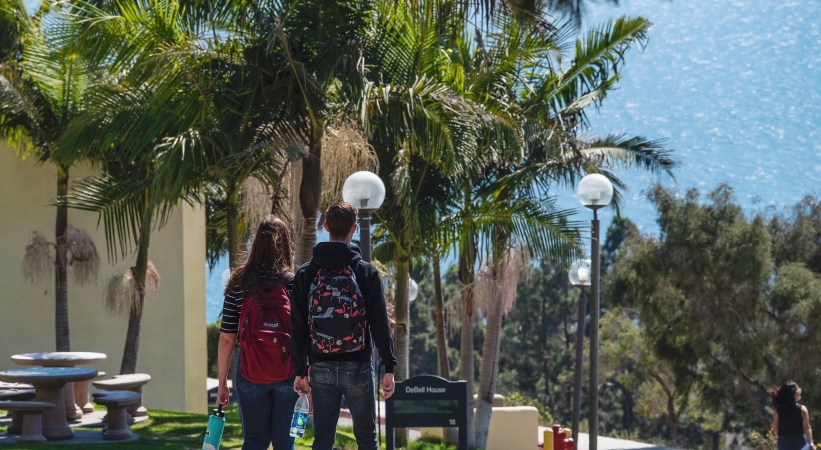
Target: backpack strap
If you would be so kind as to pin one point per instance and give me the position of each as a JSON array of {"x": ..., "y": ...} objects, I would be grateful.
[
  {"x": 285, "y": 278},
  {"x": 360, "y": 278}
]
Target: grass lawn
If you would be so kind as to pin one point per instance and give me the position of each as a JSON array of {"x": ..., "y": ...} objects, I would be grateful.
[{"x": 165, "y": 430}]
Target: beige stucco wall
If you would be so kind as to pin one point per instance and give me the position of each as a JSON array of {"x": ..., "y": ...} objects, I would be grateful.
[
  {"x": 511, "y": 427},
  {"x": 172, "y": 347}
]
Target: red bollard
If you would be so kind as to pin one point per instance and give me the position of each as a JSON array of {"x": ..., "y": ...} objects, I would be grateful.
[{"x": 560, "y": 439}]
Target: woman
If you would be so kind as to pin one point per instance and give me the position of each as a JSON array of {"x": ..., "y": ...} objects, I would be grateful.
[
  {"x": 266, "y": 409},
  {"x": 792, "y": 420}
]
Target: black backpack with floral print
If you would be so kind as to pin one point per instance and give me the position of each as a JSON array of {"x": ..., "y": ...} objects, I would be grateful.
[{"x": 336, "y": 315}]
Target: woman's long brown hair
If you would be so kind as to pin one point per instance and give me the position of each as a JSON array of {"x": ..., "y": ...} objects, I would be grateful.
[{"x": 270, "y": 252}]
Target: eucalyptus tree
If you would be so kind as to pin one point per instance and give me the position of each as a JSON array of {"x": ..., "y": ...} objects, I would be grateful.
[{"x": 42, "y": 85}]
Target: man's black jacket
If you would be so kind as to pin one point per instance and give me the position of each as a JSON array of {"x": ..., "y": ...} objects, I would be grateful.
[{"x": 333, "y": 255}]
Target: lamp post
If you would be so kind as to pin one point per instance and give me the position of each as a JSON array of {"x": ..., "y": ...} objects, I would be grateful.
[
  {"x": 579, "y": 275},
  {"x": 595, "y": 191},
  {"x": 413, "y": 290},
  {"x": 366, "y": 191}
]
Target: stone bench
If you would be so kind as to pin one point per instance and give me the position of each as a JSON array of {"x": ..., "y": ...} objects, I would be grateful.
[
  {"x": 21, "y": 395},
  {"x": 81, "y": 398},
  {"x": 116, "y": 402},
  {"x": 133, "y": 382},
  {"x": 18, "y": 395},
  {"x": 32, "y": 426}
]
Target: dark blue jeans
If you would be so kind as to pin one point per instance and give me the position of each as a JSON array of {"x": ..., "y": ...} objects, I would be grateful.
[
  {"x": 267, "y": 410},
  {"x": 330, "y": 381}
]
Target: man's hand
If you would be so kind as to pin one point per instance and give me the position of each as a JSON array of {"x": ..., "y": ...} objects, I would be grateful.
[
  {"x": 302, "y": 384},
  {"x": 223, "y": 394},
  {"x": 388, "y": 385}
]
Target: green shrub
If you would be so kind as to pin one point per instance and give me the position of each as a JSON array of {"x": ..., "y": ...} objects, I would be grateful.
[
  {"x": 430, "y": 443},
  {"x": 517, "y": 399}
]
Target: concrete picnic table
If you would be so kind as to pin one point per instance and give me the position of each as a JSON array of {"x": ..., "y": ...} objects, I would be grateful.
[
  {"x": 65, "y": 359},
  {"x": 48, "y": 383}
]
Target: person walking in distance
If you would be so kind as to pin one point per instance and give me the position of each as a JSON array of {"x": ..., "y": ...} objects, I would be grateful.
[
  {"x": 338, "y": 311},
  {"x": 257, "y": 312},
  {"x": 792, "y": 420}
]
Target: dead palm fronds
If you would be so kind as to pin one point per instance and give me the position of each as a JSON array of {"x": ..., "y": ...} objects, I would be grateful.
[
  {"x": 122, "y": 294},
  {"x": 84, "y": 259},
  {"x": 500, "y": 286},
  {"x": 38, "y": 258},
  {"x": 38, "y": 262},
  {"x": 345, "y": 150}
]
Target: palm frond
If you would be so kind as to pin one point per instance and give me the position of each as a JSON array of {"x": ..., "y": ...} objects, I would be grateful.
[{"x": 118, "y": 202}]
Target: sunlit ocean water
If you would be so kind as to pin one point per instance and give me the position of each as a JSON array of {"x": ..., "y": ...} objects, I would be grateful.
[
  {"x": 734, "y": 89},
  {"x": 733, "y": 86}
]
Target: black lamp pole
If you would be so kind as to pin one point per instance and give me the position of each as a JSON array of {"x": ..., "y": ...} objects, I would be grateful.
[
  {"x": 365, "y": 247},
  {"x": 577, "y": 388},
  {"x": 365, "y": 235},
  {"x": 594, "y": 334}
]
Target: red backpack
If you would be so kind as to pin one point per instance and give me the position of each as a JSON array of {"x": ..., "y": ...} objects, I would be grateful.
[{"x": 265, "y": 334}]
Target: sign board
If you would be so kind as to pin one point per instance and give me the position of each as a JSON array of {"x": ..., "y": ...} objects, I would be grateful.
[{"x": 428, "y": 401}]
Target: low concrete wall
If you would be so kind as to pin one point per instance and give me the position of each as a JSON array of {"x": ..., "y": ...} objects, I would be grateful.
[
  {"x": 511, "y": 427},
  {"x": 514, "y": 427}
]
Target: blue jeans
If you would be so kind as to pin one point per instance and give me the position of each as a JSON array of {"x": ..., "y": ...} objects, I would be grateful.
[
  {"x": 267, "y": 410},
  {"x": 794, "y": 442},
  {"x": 330, "y": 381}
]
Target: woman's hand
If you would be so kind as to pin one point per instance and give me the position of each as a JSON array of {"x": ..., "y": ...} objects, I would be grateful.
[{"x": 223, "y": 394}]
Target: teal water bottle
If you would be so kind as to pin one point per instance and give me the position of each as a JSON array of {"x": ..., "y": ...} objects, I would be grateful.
[{"x": 213, "y": 434}]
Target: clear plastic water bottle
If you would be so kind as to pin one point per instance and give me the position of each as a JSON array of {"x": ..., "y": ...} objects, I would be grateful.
[{"x": 300, "y": 420}]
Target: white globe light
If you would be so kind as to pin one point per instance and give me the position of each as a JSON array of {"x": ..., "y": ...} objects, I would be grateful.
[
  {"x": 413, "y": 290},
  {"x": 226, "y": 275},
  {"x": 595, "y": 191},
  {"x": 364, "y": 190},
  {"x": 580, "y": 272}
]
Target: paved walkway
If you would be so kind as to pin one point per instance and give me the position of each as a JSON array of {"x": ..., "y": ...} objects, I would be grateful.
[{"x": 606, "y": 443}]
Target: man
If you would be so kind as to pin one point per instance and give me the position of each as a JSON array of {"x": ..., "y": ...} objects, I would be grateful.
[{"x": 338, "y": 310}]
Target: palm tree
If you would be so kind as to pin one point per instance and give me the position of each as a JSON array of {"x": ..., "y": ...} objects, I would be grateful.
[
  {"x": 42, "y": 85},
  {"x": 424, "y": 133},
  {"x": 122, "y": 132},
  {"x": 321, "y": 42},
  {"x": 557, "y": 151}
]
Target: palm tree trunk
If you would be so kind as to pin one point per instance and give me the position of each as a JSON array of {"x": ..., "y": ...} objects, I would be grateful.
[
  {"x": 61, "y": 322},
  {"x": 466, "y": 338},
  {"x": 401, "y": 314},
  {"x": 489, "y": 373},
  {"x": 441, "y": 342},
  {"x": 310, "y": 194},
  {"x": 132, "y": 337}
]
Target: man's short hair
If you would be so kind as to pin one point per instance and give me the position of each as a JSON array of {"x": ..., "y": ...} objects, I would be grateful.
[{"x": 340, "y": 217}]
